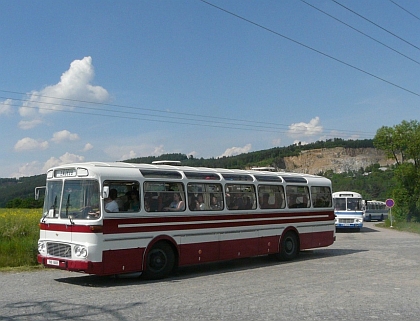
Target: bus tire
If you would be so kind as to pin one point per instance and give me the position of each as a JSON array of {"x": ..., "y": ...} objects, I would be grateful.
[
  {"x": 160, "y": 261},
  {"x": 289, "y": 247}
]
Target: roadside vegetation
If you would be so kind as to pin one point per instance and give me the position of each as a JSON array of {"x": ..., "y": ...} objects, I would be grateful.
[
  {"x": 19, "y": 233},
  {"x": 412, "y": 227}
]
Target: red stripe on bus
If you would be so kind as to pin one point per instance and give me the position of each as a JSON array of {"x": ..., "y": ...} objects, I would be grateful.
[{"x": 173, "y": 223}]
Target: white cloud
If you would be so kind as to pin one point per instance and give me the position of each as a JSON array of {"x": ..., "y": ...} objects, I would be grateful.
[
  {"x": 64, "y": 135},
  {"x": 74, "y": 85},
  {"x": 6, "y": 107},
  {"x": 276, "y": 141},
  {"x": 338, "y": 134},
  {"x": 236, "y": 150},
  {"x": 27, "y": 143},
  {"x": 123, "y": 152},
  {"x": 28, "y": 124},
  {"x": 64, "y": 159},
  {"x": 28, "y": 169},
  {"x": 305, "y": 129},
  {"x": 297, "y": 142},
  {"x": 193, "y": 153},
  {"x": 129, "y": 155},
  {"x": 158, "y": 150},
  {"x": 87, "y": 147}
]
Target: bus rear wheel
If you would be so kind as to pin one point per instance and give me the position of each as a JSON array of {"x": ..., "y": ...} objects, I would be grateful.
[
  {"x": 289, "y": 247},
  {"x": 160, "y": 262}
]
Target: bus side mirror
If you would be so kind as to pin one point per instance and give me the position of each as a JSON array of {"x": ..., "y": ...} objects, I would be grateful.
[
  {"x": 105, "y": 192},
  {"x": 37, "y": 191}
]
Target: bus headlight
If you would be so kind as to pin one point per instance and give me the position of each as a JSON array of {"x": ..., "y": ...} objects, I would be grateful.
[
  {"x": 42, "y": 249},
  {"x": 80, "y": 251}
]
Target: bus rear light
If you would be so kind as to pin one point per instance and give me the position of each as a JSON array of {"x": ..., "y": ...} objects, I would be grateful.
[{"x": 96, "y": 228}]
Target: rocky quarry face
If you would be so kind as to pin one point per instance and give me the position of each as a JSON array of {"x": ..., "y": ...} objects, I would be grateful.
[{"x": 337, "y": 159}]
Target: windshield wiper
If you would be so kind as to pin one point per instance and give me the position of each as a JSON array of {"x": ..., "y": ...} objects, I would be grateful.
[
  {"x": 43, "y": 217},
  {"x": 67, "y": 210},
  {"x": 53, "y": 208}
]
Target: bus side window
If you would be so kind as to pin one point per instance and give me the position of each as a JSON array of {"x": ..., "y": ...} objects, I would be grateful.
[
  {"x": 127, "y": 196},
  {"x": 164, "y": 196},
  {"x": 205, "y": 196},
  {"x": 297, "y": 196},
  {"x": 271, "y": 196},
  {"x": 240, "y": 197},
  {"x": 321, "y": 196}
]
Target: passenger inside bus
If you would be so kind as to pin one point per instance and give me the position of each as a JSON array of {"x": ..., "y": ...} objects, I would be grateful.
[
  {"x": 194, "y": 204},
  {"x": 214, "y": 203},
  {"x": 264, "y": 201},
  {"x": 237, "y": 203},
  {"x": 112, "y": 205},
  {"x": 134, "y": 202},
  {"x": 176, "y": 205},
  {"x": 200, "y": 200}
]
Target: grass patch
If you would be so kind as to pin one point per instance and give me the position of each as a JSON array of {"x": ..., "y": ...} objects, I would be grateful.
[
  {"x": 413, "y": 227},
  {"x": 19, "y": 234},
  {"x": 24, "y": 268}
]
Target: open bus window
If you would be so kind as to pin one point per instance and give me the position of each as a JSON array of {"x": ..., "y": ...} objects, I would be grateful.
[
  {"x": 164, "y": 197},
  {"x": 123, "y": 196}
]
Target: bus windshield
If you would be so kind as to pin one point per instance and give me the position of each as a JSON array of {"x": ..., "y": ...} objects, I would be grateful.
[
  {"x": 78, "y": 199},
  {"x": 348, "y": 204}
]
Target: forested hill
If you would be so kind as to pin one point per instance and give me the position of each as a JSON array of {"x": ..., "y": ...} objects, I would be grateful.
[
  {"x": 270, "y": 157},
  {"x": 22, "y": 188},
  {"x": 12, "y": 189}
]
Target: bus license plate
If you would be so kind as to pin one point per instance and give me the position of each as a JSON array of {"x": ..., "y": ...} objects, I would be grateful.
[{"x": 53, "y": 262}]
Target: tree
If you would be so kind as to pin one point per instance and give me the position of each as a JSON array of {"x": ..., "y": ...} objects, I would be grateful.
[{"x": 402, "y": 143}]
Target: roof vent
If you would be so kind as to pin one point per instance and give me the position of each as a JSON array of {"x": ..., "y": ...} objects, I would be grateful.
[{"x": 167, "y": 162}]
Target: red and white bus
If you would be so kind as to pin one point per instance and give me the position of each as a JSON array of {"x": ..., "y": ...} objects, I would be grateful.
[{"x": 114, "y": 218}]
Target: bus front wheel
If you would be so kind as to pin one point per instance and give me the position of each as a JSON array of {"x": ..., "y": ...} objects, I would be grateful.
[
  {"x": 160, "y": 261},
  {"x": 289, "y": 247}
]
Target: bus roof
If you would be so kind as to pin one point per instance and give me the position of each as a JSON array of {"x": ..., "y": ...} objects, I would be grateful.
[
  {"x": 346, "y": 194},
  {"x": 286, "y": 176}
]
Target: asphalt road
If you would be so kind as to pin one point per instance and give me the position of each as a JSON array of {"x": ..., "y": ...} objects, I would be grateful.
[{"x": 371, "y": 275}]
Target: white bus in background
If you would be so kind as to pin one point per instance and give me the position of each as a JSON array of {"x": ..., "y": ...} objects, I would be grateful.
[
  {"x": 114, "y": 218},
  {"x": 348, "y": 210},
  {"x": 375, "y": 210}
]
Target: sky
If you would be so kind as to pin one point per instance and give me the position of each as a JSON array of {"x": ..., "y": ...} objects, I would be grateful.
[{"x": 109, "y": 81}]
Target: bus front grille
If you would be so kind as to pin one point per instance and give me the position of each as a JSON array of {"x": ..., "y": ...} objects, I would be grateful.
[
  {"x": 59, "y": 250},
  {"x": 346, "y": 220}
]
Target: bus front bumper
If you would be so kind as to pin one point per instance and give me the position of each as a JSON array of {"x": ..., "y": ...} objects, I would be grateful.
[
  {"x": 70, "y": 265},
  {"x": 349, "y": 225}
]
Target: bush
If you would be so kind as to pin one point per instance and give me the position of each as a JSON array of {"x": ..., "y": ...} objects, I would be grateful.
[{"x": 19, "y": 233}]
